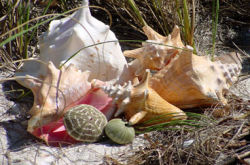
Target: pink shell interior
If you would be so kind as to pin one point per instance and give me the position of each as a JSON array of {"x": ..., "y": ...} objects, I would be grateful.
[{"x": 55, "y": 133}]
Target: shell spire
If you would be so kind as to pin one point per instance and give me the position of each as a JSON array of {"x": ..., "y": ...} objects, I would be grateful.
[{"x": 157, "y": 51}]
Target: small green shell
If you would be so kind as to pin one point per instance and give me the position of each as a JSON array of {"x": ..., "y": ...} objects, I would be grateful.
[
  {"x": 84, "y": 123},
  {"x": 119, "y": 132}
]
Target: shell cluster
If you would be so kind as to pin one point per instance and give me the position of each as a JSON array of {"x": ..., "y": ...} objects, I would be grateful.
[
  {"x": 181, "y": 80},
  {"x": 141, "y": 103},
  {"x": 84, "y": 123}
]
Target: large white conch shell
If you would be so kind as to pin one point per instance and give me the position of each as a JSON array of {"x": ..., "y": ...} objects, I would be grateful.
[{"x": 67, "y": 36}]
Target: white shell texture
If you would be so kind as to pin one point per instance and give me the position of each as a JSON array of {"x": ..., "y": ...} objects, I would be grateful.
[
  {"x": 120, "y": 95},
  {"x": 70, "y": 34}
]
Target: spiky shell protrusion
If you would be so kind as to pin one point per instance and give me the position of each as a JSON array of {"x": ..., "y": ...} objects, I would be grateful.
[
  {"x": 119, "y": 131},
  {"x": 191, "y": 81},
  {"x": 84, "y": 123},
  {"x": 120, "y": 95},
  {"x": 142, "y": 103},
  {"x": 54, "y": 92},
  {"x": 156, "y": 52}
]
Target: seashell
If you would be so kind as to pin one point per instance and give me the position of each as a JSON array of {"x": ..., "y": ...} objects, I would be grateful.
[
  {"x": 67, "y": 36},
  {"x": 119, "y": 131},
  {"x": 191, "y": 81},
  {"x": 58, "y": 91},
  {"x": 84, "y": 123},
  {"x": 141, "y": 103},
  {"x": 156, "y": 51}
]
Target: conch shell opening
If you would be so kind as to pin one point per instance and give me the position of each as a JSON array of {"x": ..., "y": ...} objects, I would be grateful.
[{"x": 54, "y": 94}]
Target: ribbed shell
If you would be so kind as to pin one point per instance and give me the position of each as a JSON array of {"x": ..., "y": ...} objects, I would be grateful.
[
  {"x": 119, "y": 132},
  {"x": 84, "y": 123}
]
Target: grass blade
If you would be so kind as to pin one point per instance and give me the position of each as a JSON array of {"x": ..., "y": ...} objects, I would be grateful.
[
  {"x": 137, "y": 12},
  {"x": 215, "y": 24}
]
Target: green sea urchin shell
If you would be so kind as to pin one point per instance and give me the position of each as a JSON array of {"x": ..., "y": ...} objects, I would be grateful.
[
  {"x": 84, "y": 123},
  {"x": 119, "y": 132}
]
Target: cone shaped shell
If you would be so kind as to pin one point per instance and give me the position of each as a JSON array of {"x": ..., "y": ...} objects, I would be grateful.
[
  {"x": 143, "y": 98},
  {"x": 192, "y": 81}
]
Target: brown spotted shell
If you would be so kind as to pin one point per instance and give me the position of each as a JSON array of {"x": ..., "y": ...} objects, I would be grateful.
[
  {"x": 192, "y": 81},
  {"x": 84, "y": 123}
]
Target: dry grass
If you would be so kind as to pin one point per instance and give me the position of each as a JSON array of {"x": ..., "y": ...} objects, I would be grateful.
[{"x": 224, "y": 141}]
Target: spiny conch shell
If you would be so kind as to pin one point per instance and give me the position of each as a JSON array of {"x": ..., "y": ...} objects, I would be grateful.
[
  {"x": 58, "y": 91},
  {"x": 191, "y": 81},
  {"x": 156, "y": 51},
  {"x": 67, "y": 36},
  {"x": 85, "y": 123},
  {"x": 119, "y": 131},
  {"x": 141, "y": 103}
]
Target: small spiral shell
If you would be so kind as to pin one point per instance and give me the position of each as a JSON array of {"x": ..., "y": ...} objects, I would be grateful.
[
  {"x": 84, "y": 123},
  {"x": 119, "y": 132}
]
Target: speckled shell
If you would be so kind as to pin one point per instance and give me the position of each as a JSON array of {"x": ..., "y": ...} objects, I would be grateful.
[
  {"x": 141, "y": 103},
  {"x": 119, "y": 132},
  {"x": 70, "y": 35},
  {"x": 84, "y": 123},
  {"x": 156, "y": 52},
  {"x": 192, "y": 81}
]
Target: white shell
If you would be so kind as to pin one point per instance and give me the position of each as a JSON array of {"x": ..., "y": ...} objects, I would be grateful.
[{"x": 70, "y": 34}]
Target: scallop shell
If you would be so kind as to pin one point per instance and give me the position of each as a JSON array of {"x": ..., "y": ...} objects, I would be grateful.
[
  {"x": 58, "y": 91},
  {"x": 156, "y": 52},
  {"x": 191, "y": 81},
  {"x": 119, "y": 132},
  {"x": 67, "y": 36},
  {"x": 141, "y": 103},
  {"x": 84, "y": 123}
]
